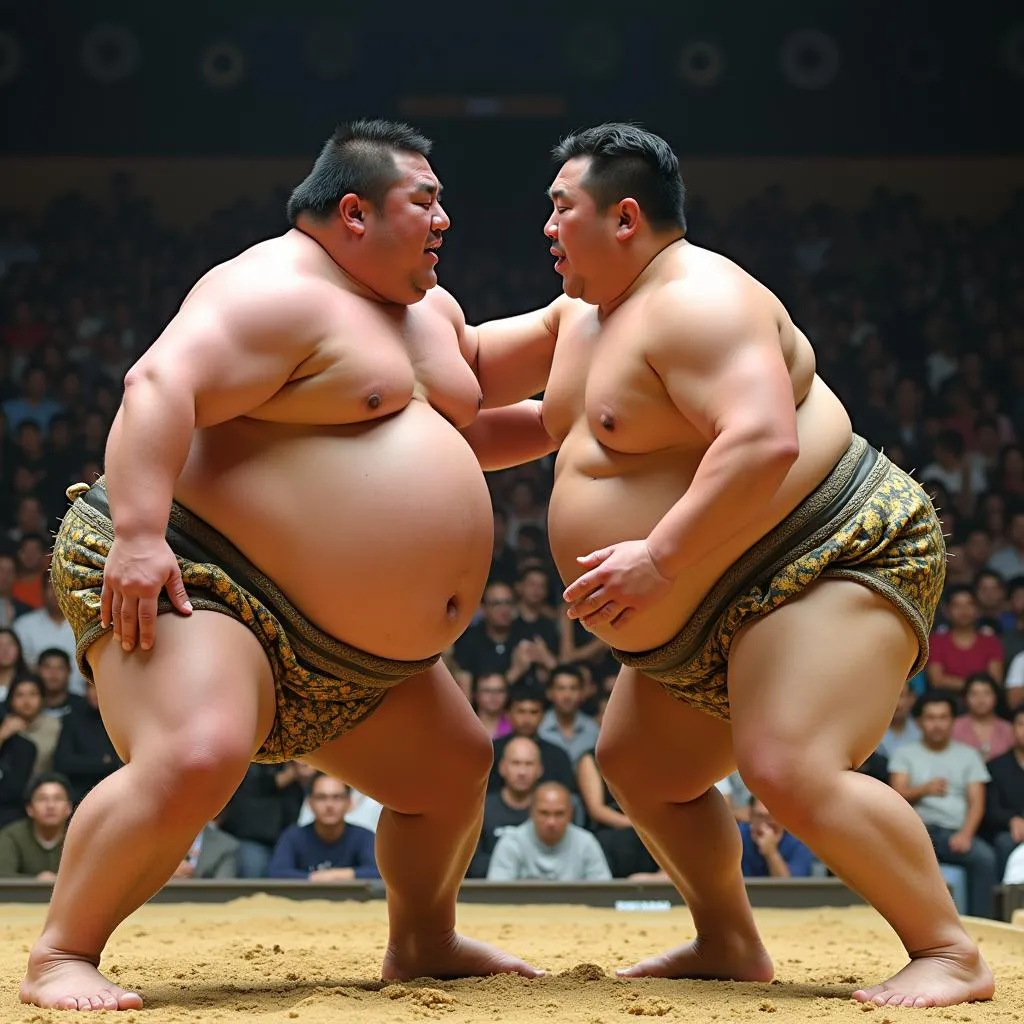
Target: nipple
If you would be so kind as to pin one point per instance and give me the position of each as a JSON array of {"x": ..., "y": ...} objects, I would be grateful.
[
  {"x": 374, "y": 401},
  {"x": 607, "y": 421}
]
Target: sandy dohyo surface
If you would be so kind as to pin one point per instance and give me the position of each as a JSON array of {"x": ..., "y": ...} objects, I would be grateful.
[{"x": 311, "y": 962}]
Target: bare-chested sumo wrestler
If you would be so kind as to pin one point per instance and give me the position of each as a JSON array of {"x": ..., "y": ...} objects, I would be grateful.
[
  {"x": 765, "y": 577},
  {"x": 292, "y": 526}
]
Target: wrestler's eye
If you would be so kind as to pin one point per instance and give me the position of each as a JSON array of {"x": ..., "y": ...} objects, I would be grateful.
[{"x": 561, "y": 209}]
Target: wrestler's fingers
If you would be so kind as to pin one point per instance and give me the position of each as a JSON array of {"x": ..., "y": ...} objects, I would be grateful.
[
  {"x": 603, "y": 614},
  {"x": 176, "y": 592},
  {"x": 129, "y": 622},
  {"x": 106, "y": 599},
  {"x": 588, "y": 605},
  {"x": 581, "y": 588},
  {"x": 115, "y": 614},
  {"x": 147, "y": 622}
]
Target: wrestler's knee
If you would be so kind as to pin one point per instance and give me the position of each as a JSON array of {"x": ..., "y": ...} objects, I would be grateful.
[
  {"x": 788, "y": 782},
  {"x": 191, "y": 777}
]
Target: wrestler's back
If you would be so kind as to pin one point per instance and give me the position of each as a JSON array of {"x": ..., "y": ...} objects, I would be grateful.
[
  {"x": 348, "y": 487},
  {"x": 628, "y": 454}
]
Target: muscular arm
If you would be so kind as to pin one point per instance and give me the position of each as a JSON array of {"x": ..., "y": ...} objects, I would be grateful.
[
  {"x": 216, "y": 360},
  {"x": 509, "y": 436},
  {"x": 719, "y": 358},
  {"x": 512, "y": 357}
]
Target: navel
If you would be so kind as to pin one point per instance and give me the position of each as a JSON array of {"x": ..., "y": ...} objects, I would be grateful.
[{"x": 480, "y": 400}]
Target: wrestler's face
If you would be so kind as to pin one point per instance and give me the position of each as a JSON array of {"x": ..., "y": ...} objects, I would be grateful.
[
  {"x": 406, "y": 233},
  {"x": 582, "y": 237}
]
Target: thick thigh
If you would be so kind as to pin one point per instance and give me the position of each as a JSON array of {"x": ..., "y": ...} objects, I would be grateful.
[
  {"x": 816, "y": 682},
  {"x": 205, "y": 687},
  {"x": 424, "y": 744},
  {"x": 658, "y": 747}
]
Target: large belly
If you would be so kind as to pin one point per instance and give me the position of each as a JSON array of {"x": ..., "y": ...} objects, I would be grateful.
[
  {"x": 379, "y": 534},
  {"x": 630, "y": 494}
]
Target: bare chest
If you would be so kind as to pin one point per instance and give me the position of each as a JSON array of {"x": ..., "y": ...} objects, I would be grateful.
[
  {"x": 371, "y": 363},
  {"x": 601, "y": 382}
]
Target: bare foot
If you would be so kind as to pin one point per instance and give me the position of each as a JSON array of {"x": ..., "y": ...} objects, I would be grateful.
[
  {"x": 735, "y": 960},
  {"x": 59, "y": 982},
  {"x": 450, "y": 957},
  {"x": 935, "y": 979}
]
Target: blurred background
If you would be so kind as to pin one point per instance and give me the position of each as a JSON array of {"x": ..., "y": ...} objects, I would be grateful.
[{"x": 865, "y": 161}]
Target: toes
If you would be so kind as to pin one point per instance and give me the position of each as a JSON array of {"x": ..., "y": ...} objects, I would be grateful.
[
  {"x": 129, "y": 1001},
  {"x": 867, "y": 995}
]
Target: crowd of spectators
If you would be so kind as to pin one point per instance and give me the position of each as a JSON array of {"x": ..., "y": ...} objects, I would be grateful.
[{"x": 918, "y": 325}]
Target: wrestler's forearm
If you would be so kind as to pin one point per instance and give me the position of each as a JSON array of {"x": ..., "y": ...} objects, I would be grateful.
[
  {"x": 513, "y": 355},
  {"x": 146, "y": 450},
  {"x": 736, "y": 478},
  {"x": 510, "y": 436}
]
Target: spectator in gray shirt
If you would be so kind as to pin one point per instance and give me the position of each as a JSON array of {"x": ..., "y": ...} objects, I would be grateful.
[
  {"x": 564, "y": 724},
  {"x": 945, "y": 781},
  {"x": 548, "y": 847}
]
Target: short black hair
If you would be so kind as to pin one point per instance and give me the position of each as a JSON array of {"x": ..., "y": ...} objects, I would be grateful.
[
  {"x": 324, "y": 775},
  {"x": 935, "y": 697},
  {"x": 54, "y": 652},
  {"x": 959, "y": 588},
  {"x": 526, "y": 693},
  {"x": 359, "y": 157},
  {"x": 566, "y": 670},
  {"x": 627, "y": 161},
  {"x": 44, "y": 779}
]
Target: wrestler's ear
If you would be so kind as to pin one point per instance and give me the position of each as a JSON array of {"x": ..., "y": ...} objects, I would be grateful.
[
  {"x": 352, "y": 210},
  {"x": 629, "y": 218}
]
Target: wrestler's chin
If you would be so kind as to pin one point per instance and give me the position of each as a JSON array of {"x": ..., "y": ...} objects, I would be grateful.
[{"x": 572, "y": 287}]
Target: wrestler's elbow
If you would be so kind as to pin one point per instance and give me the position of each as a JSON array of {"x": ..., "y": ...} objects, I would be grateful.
[{"x": 772, "y": 446}]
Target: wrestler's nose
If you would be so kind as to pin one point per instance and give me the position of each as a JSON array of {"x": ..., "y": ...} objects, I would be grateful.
[
  {"x": 551, "y": 228},
  {"x": 440, "y": 221}
]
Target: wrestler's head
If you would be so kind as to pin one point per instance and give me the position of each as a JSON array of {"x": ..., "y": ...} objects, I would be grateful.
[
  {"x": 618, "y": 200},
  {"x": 373, "y": 201}
]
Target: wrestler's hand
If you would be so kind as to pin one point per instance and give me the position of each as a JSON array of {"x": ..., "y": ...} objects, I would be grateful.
[
  {"x": 622, "y": 581},
  {"x": 137, "y": 569}
]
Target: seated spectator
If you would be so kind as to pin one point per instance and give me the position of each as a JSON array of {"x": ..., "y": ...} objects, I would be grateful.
[
  {"x": 32, "y": 563},
  {"x": 17, "y": 757},
  {"x": 769, "y": 851},
  {"x": 84, "y": 754},
  {"x": 32, "y": 404},
  {"x": 525, "y": 713},
  {"x": 945, "y": 782},
  {"x": 980, "y": 727},
  {"x": 46, "y": 629},
  {"x": 12, "y": 664},
  {"x": 903, "y": 728},
  {"x": 10, "y": 607},
  {"x": 1015, "y": 682},
  {"x": 32, "y": 847},
  {"x": 490, "y": 694},
  {"x": 488, "y": 644},
  {"x": 564, "y": 724},
  {"x": 532, "y": 610},
  {"x": 54, "y": 669},
  {"x": 993, "y": 607},
  {"x": 548, "y": 846},
  {"x": 1004, "y": 803},
  {"x": 266, "y": 802},
  {"x": 329, "y": 849},
  {"x": 213, "y": 854},
  {"x": 951, "y": 468},
  {"x": 25, "y": 701},
  {"x": 520, "y": 769},
  {"x": 964, "y": 649},
  {"x": 1008, "y": 559},
  {"x": 622, "y": 847}
]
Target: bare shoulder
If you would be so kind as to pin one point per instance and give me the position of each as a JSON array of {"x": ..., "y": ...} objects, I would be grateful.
[
  {"x": 269, "y": 289},
  {"x": 707, "y": 307},
  {"x": 564, "y": 313},
  {"x": 442, "y": 302}
]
